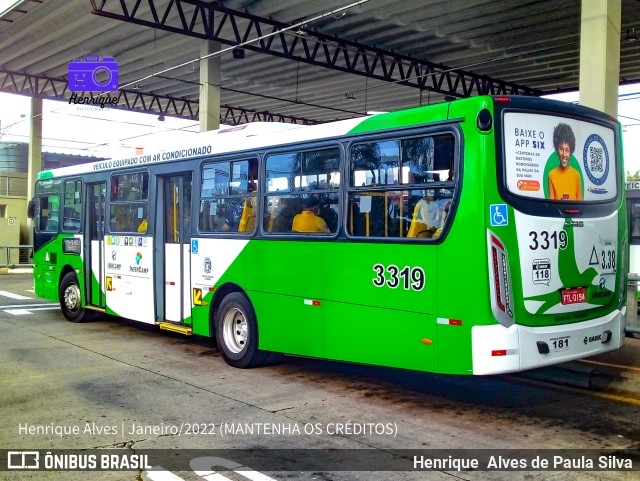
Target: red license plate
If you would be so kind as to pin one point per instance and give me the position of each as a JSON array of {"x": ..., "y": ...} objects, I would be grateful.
[{"x": 574, "y": 296}]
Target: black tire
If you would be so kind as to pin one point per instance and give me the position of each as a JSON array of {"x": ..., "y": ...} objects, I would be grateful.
[
  {"x": 71, "y": 299},
  {"x": 237, "y": 332}
]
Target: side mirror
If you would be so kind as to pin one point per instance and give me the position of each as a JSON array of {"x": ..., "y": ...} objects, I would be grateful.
[{"x": 31, "y": 209}]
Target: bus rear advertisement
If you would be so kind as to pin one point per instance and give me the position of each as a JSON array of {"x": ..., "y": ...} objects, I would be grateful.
[{"x": 478, "y": 236}]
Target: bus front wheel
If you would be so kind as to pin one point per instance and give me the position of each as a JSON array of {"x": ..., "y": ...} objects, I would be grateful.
[
  {"x": 71, "y": 299},
  {"x": 237, "y": 332}
]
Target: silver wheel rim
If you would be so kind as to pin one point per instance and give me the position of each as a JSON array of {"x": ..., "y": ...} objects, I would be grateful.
[
  {"x": 72, "y": 297},
  {"x": 235, "y": 330}
]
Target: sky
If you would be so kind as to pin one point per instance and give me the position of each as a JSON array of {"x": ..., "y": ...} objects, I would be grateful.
[{"x": 112, "y": 133}]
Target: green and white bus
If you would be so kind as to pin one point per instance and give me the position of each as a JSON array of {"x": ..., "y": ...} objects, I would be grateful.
[
  {"x": 479, "y": 236},
  {"x": 633, "y": 207}
]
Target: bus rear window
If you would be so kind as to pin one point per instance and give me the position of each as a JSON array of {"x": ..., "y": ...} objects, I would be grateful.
[{"x": 559, "y": 159}]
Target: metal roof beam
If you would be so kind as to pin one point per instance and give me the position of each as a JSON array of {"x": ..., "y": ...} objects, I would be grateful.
[
  {"x": 133, "y": 100},
  {"x": 213, "y": 21}
]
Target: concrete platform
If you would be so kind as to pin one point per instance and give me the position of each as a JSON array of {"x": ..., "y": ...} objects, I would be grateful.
[{"x": 16, "y": 270}]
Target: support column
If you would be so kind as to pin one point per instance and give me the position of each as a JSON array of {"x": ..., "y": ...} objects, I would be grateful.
[
  {"x": 210, "y": 78},
  {"x": 600, "y": 55},
  {"x": 35, "y": 155}
]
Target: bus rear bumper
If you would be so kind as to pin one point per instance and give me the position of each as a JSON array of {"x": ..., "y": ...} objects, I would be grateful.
[{"x": 498, "y": 349}]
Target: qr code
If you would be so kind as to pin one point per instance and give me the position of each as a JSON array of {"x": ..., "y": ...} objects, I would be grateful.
[{"x": 595, "y": 153}]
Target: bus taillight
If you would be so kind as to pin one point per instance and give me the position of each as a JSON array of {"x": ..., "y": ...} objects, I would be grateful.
[
  {"x": 501, "y": 295},
  {"x": 496, "y": 278}
]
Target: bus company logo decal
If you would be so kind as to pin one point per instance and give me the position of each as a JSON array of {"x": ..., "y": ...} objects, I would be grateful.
[
  {"x": 602, "y": 292},
  {"x": 597, "y": 190},
  {"x": 589, "y": 339},
  {"x": 137, "y": 268},
  {"x": 207, "y": 265},
  {"x": 114, "y": 265}
]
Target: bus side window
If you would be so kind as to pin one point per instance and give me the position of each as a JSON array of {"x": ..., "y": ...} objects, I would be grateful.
[
  {"x": 129, "y": 202},
  {"x": 228, "y": 196},
  {"x": 388, "y": 197},
  {"x": 48, "y": 213},
  {"x": 301, "y": 192}
]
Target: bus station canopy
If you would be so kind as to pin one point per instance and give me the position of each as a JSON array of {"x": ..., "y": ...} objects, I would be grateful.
[{"x": 379, "y": 55}]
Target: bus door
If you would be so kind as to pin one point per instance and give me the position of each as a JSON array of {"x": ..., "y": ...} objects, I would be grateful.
[
  {"x": 176, "y": 233},
  {"x": 94, "y": 240}
]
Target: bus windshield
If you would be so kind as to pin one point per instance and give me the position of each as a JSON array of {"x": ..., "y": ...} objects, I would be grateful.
[{"x": 559, "y": 158}]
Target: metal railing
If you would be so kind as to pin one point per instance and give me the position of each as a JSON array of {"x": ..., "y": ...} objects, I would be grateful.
[{"x": 16, "y": 256}]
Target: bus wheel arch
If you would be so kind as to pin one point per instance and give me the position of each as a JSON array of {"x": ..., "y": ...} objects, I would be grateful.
[
  {"x": 219, "y": 294},
  {"x": 236, "y": 328},
  {"x": 70, "y": 296}
]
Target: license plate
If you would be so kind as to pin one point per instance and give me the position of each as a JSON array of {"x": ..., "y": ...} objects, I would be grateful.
[{"x": 574, "y": 296}]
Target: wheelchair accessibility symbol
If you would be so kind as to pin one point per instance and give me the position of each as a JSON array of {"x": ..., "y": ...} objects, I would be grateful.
[{"x": 498, "y": 214}]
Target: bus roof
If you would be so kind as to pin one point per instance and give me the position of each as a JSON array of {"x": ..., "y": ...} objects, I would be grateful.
[
  {"x": 227, "y": 139},
  {"x": 259, "y": 135}
]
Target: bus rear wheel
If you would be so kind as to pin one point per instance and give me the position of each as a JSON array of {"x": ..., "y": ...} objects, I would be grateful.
[
  {"x": 237, "y": 332},
  {"x": 71, "y": 299}
]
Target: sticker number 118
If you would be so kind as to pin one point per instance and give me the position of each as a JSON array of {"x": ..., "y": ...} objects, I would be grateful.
[{"x": 409, "y": 277}]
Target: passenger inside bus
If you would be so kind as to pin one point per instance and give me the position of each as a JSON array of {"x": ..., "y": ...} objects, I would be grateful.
[
  {"x": 308, "y": 220},
  {"x": 327, "y": 214},
  {"x": 445, "y": 213},
  {"x": 220, "y": 221},
  {"x": 248, "y": 217},
  {"x": 426, "y": 217},
  {"x": 281, "y": 219}
]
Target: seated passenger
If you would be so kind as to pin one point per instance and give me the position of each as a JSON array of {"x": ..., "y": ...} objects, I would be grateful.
[
  {"x": 447, "y": 207},
  {"x": 327, "y": 214},
  {"x": 220, "y": 222},
  {"x": 426, "y": 218},
  {"x": 282, "y": 216},
  {"x": 248, "y": 217},
  {"x": 308, "y": 220}
]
